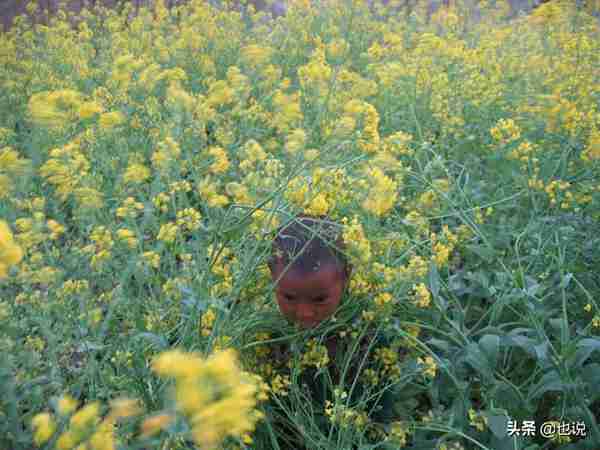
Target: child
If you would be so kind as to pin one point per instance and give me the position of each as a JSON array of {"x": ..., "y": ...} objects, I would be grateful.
[{"x": 311, "y": 276}]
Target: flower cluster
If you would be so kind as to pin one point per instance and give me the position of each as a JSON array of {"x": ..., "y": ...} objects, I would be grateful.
[
  {"x": 10, "y": 252},
  {"x": 339, "y": 413},
  {"x": 315, "y": 355},
  {"x": 213, "y": 394}
]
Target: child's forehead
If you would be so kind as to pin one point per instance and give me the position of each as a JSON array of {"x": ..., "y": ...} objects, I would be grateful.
[{"x": 323, "y": 276}]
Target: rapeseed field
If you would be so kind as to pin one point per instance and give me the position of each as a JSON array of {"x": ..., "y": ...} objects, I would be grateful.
[{"x": 147, "y": 162}]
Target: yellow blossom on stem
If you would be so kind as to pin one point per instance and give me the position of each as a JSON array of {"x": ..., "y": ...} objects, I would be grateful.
[
  {"x": 477, "y": 420},
  {"x": 55, "y": 109},
  {"x": 44, "y": 427},
  {"x": 422, "y": 296},
  {"x": 89, "y": 109},
  {"x": 111, "y": 119},
  {"x": 429, "y": 366},
  {"x": 398, "y": 433},
  {"x": 155, "y": 424},
  {"x": 136, "y": 173},
  {"x": 214, "y": 395},
  {"x": 168, "y": 232},
  {"x": 10, "y": 253},
  {"x": 206, "y": 322},
  {"x": 121, "y": 408},
  {"x": 66, "y": 405}
]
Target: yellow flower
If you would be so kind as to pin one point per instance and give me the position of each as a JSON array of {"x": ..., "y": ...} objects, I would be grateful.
[
  {"x": 189, "y": 219},
  {"x": 10, "y": 253},
  {"x": 422, "y": 296},
  {"x": 319, "y": 205},
  {"x": 136, "y": 173},
  {"x": 168, "y": 232},
  {"x": 398, "y": 433},
  {"x": 44, "y": 427},
  {"x": 382, "y": 194},
  {"x": 56, "y": 229},
  {"x": 337, "y": 48},
  {"x": 104, "y": 436},
  {"x": 280, "y": 384},
  {"x": 477, "y": 420},
  {"x": 221, "y": 163},
  {"x": 506, "y": 131},
  {"x": 124, "y": 407},
  {"x": 176, "y": 363},
  {"x": 111, "y": 119},
  {"x": 89, "y": 109},
  {"x": 66, "y": 405},
  {"x": 592, "y": 151},
  {"x": 208, "y": 190},
  {"x": 383, "y": 299},
  {"x": 130, "y": 208},
  {"x": 89, "y": 198},
  {"x": 154, "y": 424},
  {"x": 214, "y": 395},
  {"x": 207, "y": 321},
  {"x": 441, "y": 253},
  {"x": 219, "y": 93},
  {"x": 255, "y": 55},
  {"x": 11, "y": 166},
  {"x": 358, "y": 244},
  {"x": 152, "y": 258},
  {"x": 253, "y": 153},
  {"x": 429, "y": 366},
  {"x": 86, "y": 416},
  {"x": 179, "y": 99},
  {"x": 295, "y": 141},
  {"x": 128, "y": 237},
  {"x": 316, "y": 355},
  {"x": 368, "y": 316},
  {"x": 56, "y": 108}
]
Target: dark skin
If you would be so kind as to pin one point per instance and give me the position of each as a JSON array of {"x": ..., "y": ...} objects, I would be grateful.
[{"x": 308, "y": 299}]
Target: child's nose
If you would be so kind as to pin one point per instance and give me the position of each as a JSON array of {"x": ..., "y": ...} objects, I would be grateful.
[{"x": 305, "y": 313}]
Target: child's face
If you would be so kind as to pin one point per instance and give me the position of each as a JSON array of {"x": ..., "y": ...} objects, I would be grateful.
[{"x": 308, "y": 299}]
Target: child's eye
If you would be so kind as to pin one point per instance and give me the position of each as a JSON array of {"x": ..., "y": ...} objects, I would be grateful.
[
  {"x": 289, "y": 298},
  {"x": 320, "y": 300}
]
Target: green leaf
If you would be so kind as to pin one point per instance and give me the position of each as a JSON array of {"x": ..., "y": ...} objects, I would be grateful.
[
  {"x": 550, "y": 382},
  {"x": 585, "y": 347},
  {"x": 485, "y": 253},
  {"x": 434, "y": 281},
  {"x": 439, "y": 343},
  {"x": 508, "y": 396},
  {"x": 490, "y": 346},
  {"x": 521, "y": 341},
  {"x": 158, "y": 341},
  {"x": 498, "y": 425},
  {"x": 590, "y": 374},
  {"x": 564, "y": 283},
  {"x": 541, "y": 353},
  {"x": 478, "y": 361}
]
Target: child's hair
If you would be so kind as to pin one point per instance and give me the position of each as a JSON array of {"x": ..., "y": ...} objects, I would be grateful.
[{"x": 309, "y": 243}]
